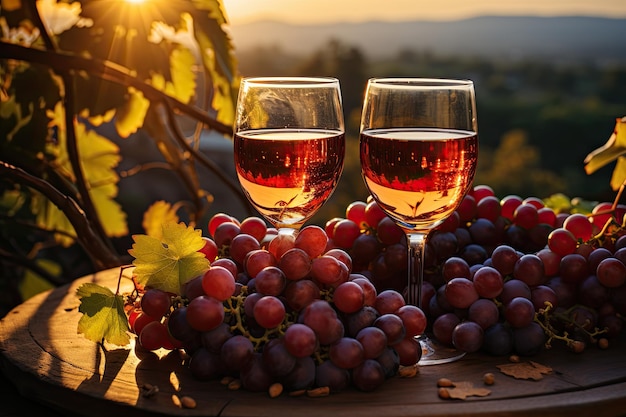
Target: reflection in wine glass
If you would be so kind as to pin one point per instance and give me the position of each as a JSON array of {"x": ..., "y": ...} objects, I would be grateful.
[
  {"x": 289, "y": 146},
  {"x": 418, "y": 150}
]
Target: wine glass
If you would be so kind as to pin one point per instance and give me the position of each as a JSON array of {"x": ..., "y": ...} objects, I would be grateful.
[
  {"x": 418, "y": 151},
  {"x": 289, "y": 146}
]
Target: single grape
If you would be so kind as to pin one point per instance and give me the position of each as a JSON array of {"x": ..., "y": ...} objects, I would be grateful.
[
  {"x": 299, "y": 294},
  {"x": 573, "y": 268},
  {"x": 269, "y": 312},
  {"x": 155, "y": 302},
  {"x": 300, "y": 340},
  {"x": 312, "y": 240},
  {"x": 455, "y": 267},
  {"x": 488, "y": 282},
  {"x": 270, "y": 281},
  {"x": 345, "y": 233},
  {"x": 443, "y": 326},
  {"x": 241, "y": 245},
  {"x": 562, "y": 242},
  {"x": 460, "y": 292},
  {"x": 219, "y": 283},
  {"x": 392, "y": 326},
  {"x": 295, "y": 264},
  {"x": 519, "y": 312},
  {"x": 488, "y": 208},
  {"x": 413, "y": 319},
  {"x": 205, "y": 313},
  {"x": 373, "y": 214},
  {"x": 224, "y": 233},
  {"x": 388, "y": 301},
  {"x": 153, "y": 336},
  {"x": 525, "y": 215},
  {"x": 373, "y": 340},
  {"x": 355, "y": 211},
  {"x": 484, "y": 312},
  {"x": 543, "y": 296},
  {"x": 611, "y": 272},
  {"x": 209, "y": 250},
  {"x": 388, "y": 232},
  {"x": 236, "y": 351},
  {"x": 579, "y": 225},
  {"x": 504, "y": 258},
  {"x": 256, "y": 260},
  {"x": 255, "y": 227},
  {"x": 508, "y": 205},
  {"x": 348, "y": 297},
  {"x": 529, "y": 269},
  {"x": 468, "y": 336},
  {"x": 346, "y": 353}
]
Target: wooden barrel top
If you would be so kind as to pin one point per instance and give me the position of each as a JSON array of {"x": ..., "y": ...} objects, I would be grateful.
[{"x": 49, "y": 363}]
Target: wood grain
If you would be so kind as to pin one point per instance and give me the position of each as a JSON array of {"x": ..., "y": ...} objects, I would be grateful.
[{"x": 48, "y": 362}]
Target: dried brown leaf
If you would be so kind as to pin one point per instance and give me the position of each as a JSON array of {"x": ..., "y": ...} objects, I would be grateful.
[
  {"x": 525, "y": 370},
  {"x": 462, "y": 390}
]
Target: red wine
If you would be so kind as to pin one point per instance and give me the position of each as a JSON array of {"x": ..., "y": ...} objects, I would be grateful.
[
  {"x": 418, "y": 176},
  {"x": 288, "y": 174}
]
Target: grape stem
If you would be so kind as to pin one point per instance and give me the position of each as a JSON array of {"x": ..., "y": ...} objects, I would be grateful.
[{"x": 545, "y": 316}]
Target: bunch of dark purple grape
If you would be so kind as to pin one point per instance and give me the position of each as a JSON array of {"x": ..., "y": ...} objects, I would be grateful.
[{"x": 513, "y": 275}]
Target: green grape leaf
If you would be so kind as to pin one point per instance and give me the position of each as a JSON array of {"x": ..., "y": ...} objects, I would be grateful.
[
  {"x": 170, "y": 262},
  {"x": 103, "y": 315},
  {"x": 612, "y": 150}
]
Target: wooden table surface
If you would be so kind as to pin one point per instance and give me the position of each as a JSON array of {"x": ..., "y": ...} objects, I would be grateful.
[{"x": 53, "y": 368}]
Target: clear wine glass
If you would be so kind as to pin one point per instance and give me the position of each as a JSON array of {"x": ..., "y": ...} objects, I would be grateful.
[
  {"x": 418, "y": 150},
  {"x": 289, "y": 146}
]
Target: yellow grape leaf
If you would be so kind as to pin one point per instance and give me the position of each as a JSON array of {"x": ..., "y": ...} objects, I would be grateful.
[
  {"x": 103, "y": 315},
  {"x": 157, "y": 214},
  {"x": 525, "y": 370},
  {"x": 613, "y": 149},
  {"x": 462, "y": 390},
  {"x": 99, "y": 157},
  {"x": 170, "y": 262},
  {"x": 132, "y": 114},
  {"x": 183, "y": 83}
]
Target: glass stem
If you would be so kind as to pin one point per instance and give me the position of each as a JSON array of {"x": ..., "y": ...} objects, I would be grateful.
[{"x": 416, "y": 245}]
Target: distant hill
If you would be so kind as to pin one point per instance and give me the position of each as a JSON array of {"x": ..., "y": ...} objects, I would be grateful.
[{"x": 601, "y": 40}]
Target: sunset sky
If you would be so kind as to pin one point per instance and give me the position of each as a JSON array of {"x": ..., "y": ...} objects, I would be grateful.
[{"x": 319, "y": 11}]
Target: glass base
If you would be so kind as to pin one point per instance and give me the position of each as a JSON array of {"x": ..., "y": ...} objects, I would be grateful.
[{"x": 433, "y": 353}]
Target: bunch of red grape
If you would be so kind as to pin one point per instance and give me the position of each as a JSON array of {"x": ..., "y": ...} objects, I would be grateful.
[{"x": 283, "y": 308}]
